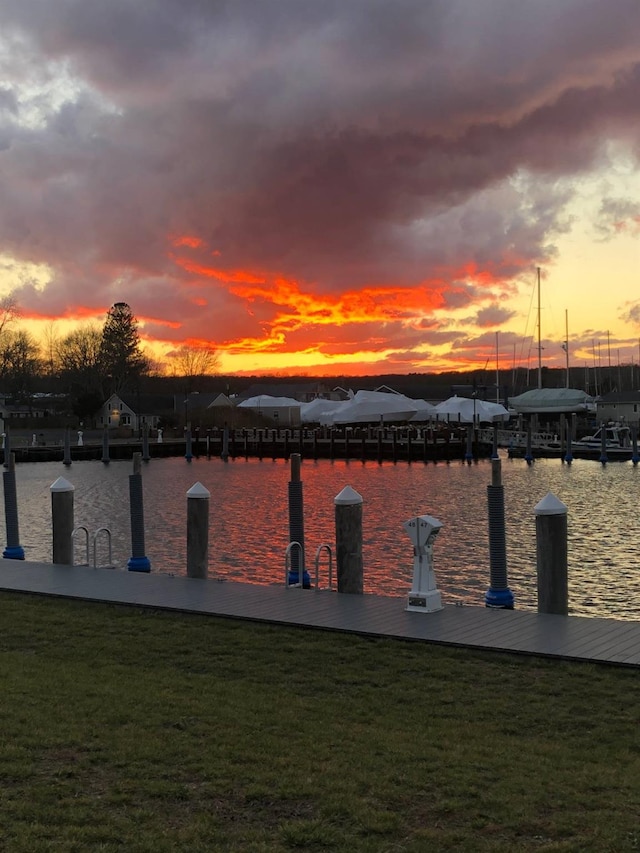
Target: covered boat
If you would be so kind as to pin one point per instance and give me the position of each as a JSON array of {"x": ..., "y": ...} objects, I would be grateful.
[{"x": 552, "y": 401}]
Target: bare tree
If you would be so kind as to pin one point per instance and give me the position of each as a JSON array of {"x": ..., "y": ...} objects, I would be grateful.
[
  {"x": 20, "y": 363},
  {"x": 78, "y": 358},
  {"x": 9, "y": 312},
  {"x": 49, "y": 343},
  {"x": 193, "y": 362}
]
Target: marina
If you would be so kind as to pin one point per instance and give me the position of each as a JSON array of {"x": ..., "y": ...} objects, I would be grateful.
[{"x": 248, "y": 521}]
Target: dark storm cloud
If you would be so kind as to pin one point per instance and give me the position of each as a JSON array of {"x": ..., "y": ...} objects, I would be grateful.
[{"x": 338, "y": 143}]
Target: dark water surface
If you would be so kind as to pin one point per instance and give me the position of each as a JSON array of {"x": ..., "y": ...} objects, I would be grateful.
[{"x": 249, "y": 520}]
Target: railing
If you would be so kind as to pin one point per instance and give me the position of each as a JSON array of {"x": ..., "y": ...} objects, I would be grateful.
[{"x": 94, "y": 541}]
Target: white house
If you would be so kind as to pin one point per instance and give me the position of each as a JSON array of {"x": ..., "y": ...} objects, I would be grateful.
[{"x": 133, "y": 412}]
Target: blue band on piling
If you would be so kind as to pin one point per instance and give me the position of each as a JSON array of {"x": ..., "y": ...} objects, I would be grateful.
[
  {"x": 13, "y": 552},
  {"x": 502, "y": 598},
  {"x": 293, "y": 579},
  {"x": 139, "y": 564}
]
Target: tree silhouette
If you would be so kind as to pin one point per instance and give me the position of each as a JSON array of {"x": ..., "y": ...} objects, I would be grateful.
[{"x": 122, "y": 361}]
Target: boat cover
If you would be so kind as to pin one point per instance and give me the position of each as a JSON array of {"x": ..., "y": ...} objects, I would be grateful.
[{"x": 552, "y": 400}]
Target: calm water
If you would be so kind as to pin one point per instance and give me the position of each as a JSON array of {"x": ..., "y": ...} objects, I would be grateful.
[{"x": 249, "y": 520}]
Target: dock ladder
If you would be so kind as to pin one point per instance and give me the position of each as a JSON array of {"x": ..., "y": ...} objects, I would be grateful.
[
  {"x": 101, "y": 532},
  {"x": 297, "y": 547}
]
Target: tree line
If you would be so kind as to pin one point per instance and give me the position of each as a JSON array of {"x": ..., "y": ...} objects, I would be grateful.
[{"x": 88, "y": 364}]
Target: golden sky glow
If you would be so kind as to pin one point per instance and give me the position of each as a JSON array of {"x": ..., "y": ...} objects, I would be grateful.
[{"x": 364, "y": 190}]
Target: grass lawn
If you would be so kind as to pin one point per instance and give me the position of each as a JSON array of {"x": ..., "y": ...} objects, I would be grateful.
[{"x": 136, "y": 730}]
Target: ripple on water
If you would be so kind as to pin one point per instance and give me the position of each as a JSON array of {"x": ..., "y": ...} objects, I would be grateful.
[{"x": 249, "y": 520}]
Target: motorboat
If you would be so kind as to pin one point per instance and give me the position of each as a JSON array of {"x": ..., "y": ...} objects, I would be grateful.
[{"x": 617, "y": 438}]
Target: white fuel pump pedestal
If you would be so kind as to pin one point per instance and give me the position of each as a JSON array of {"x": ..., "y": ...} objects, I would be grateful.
[{"x": 424, "y": 596}]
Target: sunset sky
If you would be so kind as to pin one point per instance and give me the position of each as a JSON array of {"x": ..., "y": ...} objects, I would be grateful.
[{"x": 327, "y": 186}]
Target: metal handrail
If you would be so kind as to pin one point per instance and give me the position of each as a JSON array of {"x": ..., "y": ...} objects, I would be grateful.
[
  {"x": 83, "y": 529},
  {"x": 321, "y": 548},
  {"x": 287, "y": 565},
  {"x": 94, "y": 539}
]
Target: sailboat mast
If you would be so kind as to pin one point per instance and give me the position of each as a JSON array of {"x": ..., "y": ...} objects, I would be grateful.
[{"x": 539, "y": 337}]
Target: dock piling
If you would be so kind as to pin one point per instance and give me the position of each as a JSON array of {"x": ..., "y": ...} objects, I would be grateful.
[
  {"x": 138, "y": 562},
  {"x": 296, "y": 525},
  {"x": 145, "y": 443},
  {"x": 498, "y": 595},
  {"x": 198, "y": 531},
  {"x": 551, "y": 555},
  {"x": 348, "y": 514},
  {"x": 105, "y": 446},
  {"x": 62, "y": 521},
  {"x": 14, "y": 550},
  {"x": 66, "y": 459}
]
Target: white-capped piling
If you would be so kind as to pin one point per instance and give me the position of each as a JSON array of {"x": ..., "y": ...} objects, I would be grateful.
[
  {"x": 145, "y": 442},
  {"x": 138, "y": 562},
  {"x": 296, "y": 525},
  {"x": 198, "y": 531},
  {"x": 105, "y": 446},
  {"x": 348, "y": 504},
  {"x": 62, "y": 521},
  {"x": 551, "y": 555},
  {"x": 498, "y": 595},
  {"x": 66, "y": 457},
  {"x": 14, "y": 550}
]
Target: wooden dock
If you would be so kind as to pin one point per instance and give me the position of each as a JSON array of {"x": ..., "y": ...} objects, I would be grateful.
[
  {"x": 383, "y": 444},
  {"x": 581, "y": 638}
]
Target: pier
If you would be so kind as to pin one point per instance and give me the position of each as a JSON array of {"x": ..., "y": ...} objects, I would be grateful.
[
  {"x": 409, "y": 444},
  {"x": 596, "y": 640}
]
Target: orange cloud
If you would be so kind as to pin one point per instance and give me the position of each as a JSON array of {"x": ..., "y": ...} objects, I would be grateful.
[{"x": 187, "y": 240}]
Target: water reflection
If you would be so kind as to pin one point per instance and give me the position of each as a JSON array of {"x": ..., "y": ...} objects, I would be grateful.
[{"x": 249, "y": 520}]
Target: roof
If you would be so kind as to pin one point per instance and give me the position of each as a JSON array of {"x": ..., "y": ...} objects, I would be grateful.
[
  {"x": 620, "y": 397},
  {"x": 220, "y": 401},
  {"x": 283, "y": 389},
  {"x": 146, "y": 403}
]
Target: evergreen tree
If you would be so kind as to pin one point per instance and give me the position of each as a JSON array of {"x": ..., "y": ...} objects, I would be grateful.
[{"x": 121, "y": 358}]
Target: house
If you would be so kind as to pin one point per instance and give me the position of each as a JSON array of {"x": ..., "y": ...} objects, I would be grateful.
[
  {"x": 619, "y": 406},
  {"x": 133, "y": 411}
]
